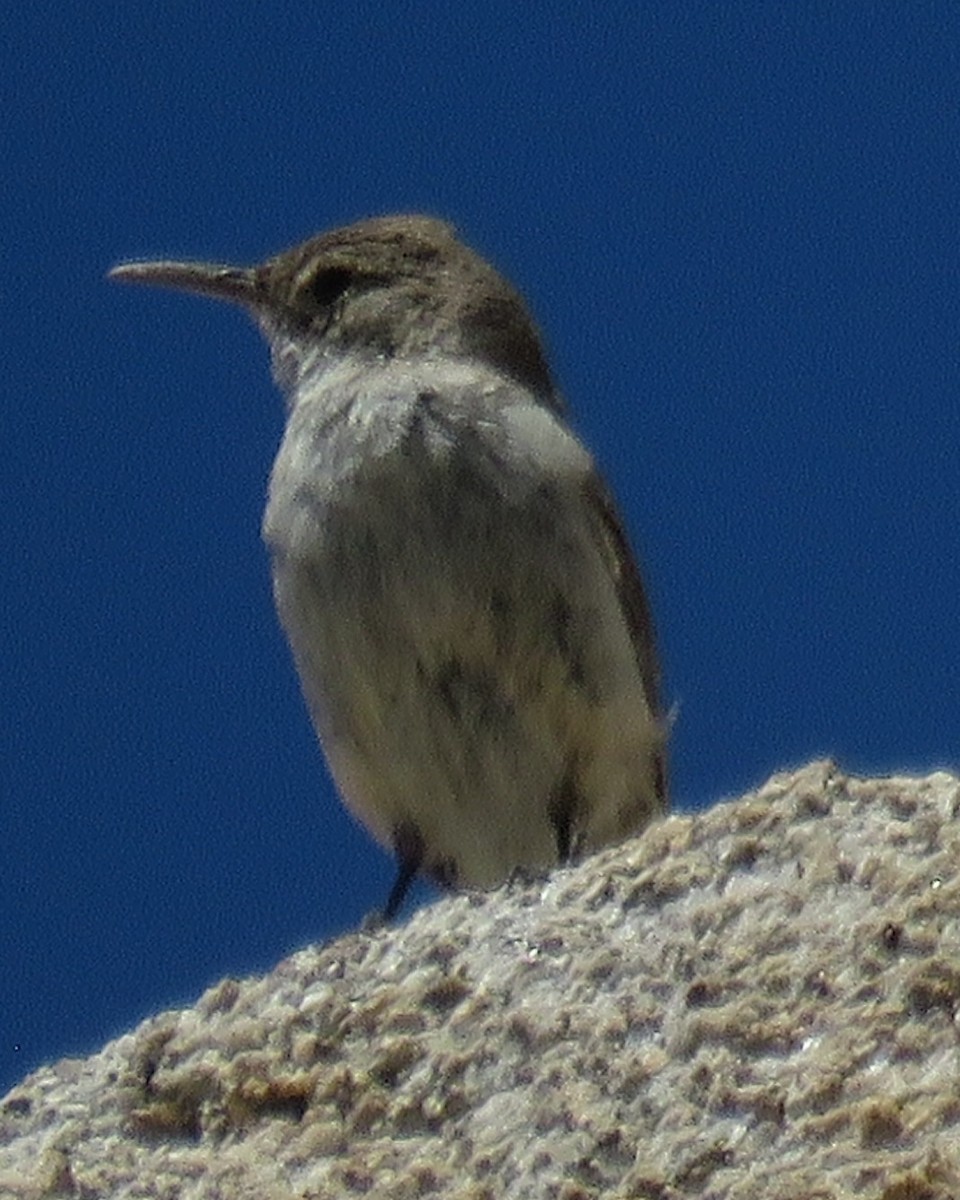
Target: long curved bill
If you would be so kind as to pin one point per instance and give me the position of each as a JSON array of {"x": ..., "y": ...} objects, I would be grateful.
[{"x": 238, "y": 285}]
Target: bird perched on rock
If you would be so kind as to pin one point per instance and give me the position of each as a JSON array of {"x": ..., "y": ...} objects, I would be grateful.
[{"x": 468, "y": 622}]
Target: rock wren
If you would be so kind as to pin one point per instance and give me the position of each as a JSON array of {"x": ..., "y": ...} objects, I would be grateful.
[{"x": 468, "y": 623}]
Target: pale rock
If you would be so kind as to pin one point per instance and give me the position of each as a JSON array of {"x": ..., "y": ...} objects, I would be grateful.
[{"x": 760, "y": 1000}]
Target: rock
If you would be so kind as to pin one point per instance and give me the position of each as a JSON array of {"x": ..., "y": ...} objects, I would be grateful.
[{"x": 760, "y": 1000}]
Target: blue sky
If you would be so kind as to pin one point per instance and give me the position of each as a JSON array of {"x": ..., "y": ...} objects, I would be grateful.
[{"x": 737, "y": 226}]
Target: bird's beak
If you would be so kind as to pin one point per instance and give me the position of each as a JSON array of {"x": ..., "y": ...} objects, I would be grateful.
[{"x": 238, "y": 285}]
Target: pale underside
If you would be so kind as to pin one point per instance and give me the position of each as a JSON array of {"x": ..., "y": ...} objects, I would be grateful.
[{"x": 454, "y": 602}]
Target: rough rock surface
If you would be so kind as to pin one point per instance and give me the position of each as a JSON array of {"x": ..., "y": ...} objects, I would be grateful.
[{"x": 757, "y": 1001}]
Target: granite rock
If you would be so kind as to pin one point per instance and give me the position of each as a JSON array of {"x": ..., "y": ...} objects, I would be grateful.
[{"x": 760, "y": 1000}]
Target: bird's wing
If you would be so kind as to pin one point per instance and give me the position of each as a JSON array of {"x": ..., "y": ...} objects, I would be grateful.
[{"x": 633, "y": 602}]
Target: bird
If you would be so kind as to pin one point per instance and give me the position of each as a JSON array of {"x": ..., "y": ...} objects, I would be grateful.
[{"x": 465, "y": 613}]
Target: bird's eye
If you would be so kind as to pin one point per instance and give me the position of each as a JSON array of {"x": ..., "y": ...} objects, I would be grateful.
[{"x": 328, "y": 285}]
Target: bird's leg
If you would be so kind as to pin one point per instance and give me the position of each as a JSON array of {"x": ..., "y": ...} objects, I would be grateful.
[{"x": 409, "y": 850}]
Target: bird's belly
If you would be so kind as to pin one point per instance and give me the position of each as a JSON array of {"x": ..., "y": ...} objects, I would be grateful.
[{"x": 467, "y": 667}]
